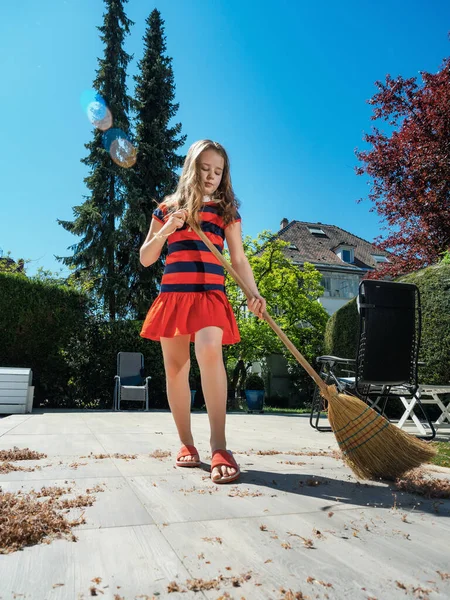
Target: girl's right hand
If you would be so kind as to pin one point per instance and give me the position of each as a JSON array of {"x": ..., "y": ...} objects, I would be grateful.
[{"x": 175, "y": 221}]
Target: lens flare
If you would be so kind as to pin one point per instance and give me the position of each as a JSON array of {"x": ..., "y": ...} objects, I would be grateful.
[
  {"x": 115, "y": 141},
  {"x": 96, "y": 109},
  {"x": 100, "y": 116},
  {"x": 121, "y": 150}
]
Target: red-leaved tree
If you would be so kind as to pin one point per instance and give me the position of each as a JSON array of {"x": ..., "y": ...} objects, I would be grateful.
[{"x": 410, "y": 169}]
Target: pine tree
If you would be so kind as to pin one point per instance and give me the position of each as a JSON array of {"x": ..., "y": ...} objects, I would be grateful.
[
  {"x": 96, "y": 220},
  {"x": 154, "y": 174}
]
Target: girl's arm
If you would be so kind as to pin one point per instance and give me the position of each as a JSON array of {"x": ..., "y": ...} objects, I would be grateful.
[
  {"x": 239, "y": 261},
  {"x": 157, "y": 234},
  {"x": 151, "y": 249}
]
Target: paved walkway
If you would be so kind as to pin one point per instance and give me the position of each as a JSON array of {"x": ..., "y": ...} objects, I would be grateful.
[{"x": 297, "y": 522}]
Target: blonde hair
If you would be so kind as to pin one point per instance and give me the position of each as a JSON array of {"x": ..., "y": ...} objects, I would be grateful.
[{"x": 190, "y": 192}]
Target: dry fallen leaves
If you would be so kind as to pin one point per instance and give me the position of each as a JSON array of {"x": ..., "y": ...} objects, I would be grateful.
[
  {"x": 160, "y": 454},
  {"x": 198, "y": 585},
  {"x": 290, "y": 595},
  {"x": 36, "y": 517},
  {"x": 173, "y": 587},
  {"x": 313, "y": 580},
  {"x": 115, "y": 455},
  {"x": 21, "y": 454},
  {"x": 17, "y": 454},
  {"x": 417, "y": 481},
  {"x": 7, "y": 467},
  {"x": 443, "y": 575},
  {"x": 25, "y": 520},
  {"x": 214, "y": 539},
  {"x": 236, "y": 492}
]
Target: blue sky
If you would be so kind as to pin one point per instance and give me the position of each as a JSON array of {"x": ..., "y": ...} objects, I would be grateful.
[{"x": 281, "y": 84}]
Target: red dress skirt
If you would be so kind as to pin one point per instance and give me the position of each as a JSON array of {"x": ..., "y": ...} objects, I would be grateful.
[
  {"x": 192, "y": 288},
  {"x": 186, "y": 313}
]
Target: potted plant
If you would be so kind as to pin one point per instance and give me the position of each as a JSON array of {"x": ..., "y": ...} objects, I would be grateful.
[{"x": 254, "y": 393}]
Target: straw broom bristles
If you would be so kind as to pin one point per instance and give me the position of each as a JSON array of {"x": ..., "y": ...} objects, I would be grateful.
[{"x": 372, "y": 447}]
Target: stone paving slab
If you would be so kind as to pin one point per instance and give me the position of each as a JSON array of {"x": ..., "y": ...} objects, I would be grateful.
[{"x": 309, "y": 526}]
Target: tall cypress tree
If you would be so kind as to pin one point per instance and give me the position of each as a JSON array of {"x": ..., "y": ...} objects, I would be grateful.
[
  {"x": 95, "y": 221},
  {"x": 154, "y": 174}
]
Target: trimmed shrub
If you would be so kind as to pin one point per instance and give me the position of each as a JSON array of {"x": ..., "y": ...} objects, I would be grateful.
[
  {"x": 434, "y": 285},
  {"x": 73, "y": 357},
  {"x": 254, "y": 382},
  {"x": 91, "y": 357},
  {"x": 36, "y": 321},
  {"x": 341, "y": 333}
]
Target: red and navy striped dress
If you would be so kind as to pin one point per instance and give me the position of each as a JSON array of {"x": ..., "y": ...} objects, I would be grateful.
[{"x": 192, "y": 294}]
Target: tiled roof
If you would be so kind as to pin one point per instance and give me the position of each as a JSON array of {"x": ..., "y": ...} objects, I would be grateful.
[{"x": 317, "y": 249}]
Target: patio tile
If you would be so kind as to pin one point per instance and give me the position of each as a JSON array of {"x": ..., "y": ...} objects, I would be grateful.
[
  {"x": 147, "y": 528},
  {"x": 62, "y": 467},
  {"x": 366, "y": 564},
  {"x": 116, "y": 506},
  {"x": 53, "y": 444},
  {"x": 128, "y": 561}
]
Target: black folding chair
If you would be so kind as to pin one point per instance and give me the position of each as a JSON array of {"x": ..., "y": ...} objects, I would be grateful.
[{"x": 387, "y": 356}]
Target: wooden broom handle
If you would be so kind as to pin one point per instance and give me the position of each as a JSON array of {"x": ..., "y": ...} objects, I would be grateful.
[{"x": 244, "y": 287}]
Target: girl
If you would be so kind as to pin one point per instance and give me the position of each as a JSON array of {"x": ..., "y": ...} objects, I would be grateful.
[{"x": 192, "y": 305}]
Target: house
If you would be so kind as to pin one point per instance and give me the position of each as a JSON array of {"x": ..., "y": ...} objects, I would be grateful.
[{"x": 342, "y": 258}]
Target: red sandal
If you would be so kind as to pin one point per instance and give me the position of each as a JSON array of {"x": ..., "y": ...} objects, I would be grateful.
[
  {"x": 224, "y": 458},
  {"x": 188, "y": 451}
]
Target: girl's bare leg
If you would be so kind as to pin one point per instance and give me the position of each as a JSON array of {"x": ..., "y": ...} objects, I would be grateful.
[
  {"x": 208, "y": 350},
  {"x": 177, "y": 364}
]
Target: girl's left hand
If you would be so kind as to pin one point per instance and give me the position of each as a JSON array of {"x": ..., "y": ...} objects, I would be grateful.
[{"x": 257, "y": 305}]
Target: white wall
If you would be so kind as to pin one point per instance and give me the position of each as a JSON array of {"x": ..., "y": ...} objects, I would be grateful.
[{"x": 331, "y": 305}]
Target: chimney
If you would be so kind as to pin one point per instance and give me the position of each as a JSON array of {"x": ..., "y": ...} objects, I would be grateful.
[{"x": 284, "y": 223}]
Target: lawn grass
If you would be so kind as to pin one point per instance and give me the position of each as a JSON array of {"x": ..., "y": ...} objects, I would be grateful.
[
  {"x": 442, "y": 457},
  {"x": 298, "y": 411}
]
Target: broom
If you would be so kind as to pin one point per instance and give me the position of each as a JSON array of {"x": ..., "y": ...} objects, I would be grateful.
[{"x": 372, "y": 447}]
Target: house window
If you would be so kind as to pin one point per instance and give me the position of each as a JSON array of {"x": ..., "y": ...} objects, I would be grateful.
[
  {"x": 317, "y": 232},
  {"x": 340, "y": 286},
  {"x": 380, "y": 258},
  {"x": 292, "y": 246},
  {"x": 347, "y": 256}
]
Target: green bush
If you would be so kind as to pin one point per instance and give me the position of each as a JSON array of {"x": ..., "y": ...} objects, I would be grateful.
[
  {"x": 36, "y": 321},
  {"x": 91, "y": 357},
  {"x": 46, "y": 327},
  {"x": 341, "y": 333},
  {"x": 254, "y": 382},
  {"x": 434, "y": 285}
]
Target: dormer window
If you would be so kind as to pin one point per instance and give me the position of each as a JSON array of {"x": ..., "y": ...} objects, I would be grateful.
[
  {"x": 346, "y": 253},
  {"x": 292, "y": 246},
  {"x": 380, "y": 258}
]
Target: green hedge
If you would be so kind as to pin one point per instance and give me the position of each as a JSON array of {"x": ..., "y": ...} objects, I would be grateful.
[
  {"x": 434, "y": 286},
  {"x": 341, "y": 331},
  {"x": 36, "y": 321},
  {"x": 91, "y": 357},
  {"x": 73, "y": 356}
]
